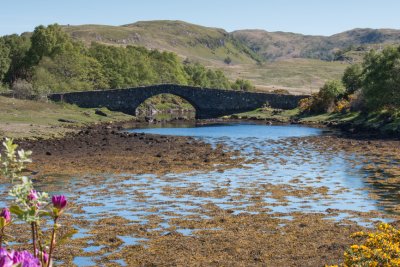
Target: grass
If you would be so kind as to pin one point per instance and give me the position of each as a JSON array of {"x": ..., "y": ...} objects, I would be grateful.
[
  {"x": 383, "y": 122},
  {"x": 27, "y": 118},
  {"x": 210, "y": 46},
  {"x": 301, "y": 76}
]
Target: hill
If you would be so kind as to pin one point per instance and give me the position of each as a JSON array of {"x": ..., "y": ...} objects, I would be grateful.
[
  {"x": 282, "y": 45},
  {"x": 271, "y": 60},
  {"x": 187, "y": 40}
]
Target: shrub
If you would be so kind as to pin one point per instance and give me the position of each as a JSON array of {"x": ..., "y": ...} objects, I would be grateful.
[
  {"x": 342, "y": 105},
  {"x": 352, "y": 78},
  {"x": 243, "y": 85},
  {"x": 305, "y": 104},
  {"x": 228, "y": 60},
  {"x": 22, "y": 89},
  {"x": 381, "y": 248},
  {"x": 324, "y": 100},
  {"x": 28, "y": 206},
  {"x": 381, "y": 83}
]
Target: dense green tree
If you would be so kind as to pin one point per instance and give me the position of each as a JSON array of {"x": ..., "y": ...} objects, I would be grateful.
[
  {"x": 17, "y": 48},
  {"x": 4, "y": 59},
  {"x": 381, "y": 84},
  {"x": 203, "y": 77},
  {"x": 48, "y": 42},
  {"x": 352, "y": 78},
  {"x": 331, "y": 90},
  {"x": 168, "y": 67},
  {"x": 69, "y": 71},
  {"x": 124, "y": 67}
]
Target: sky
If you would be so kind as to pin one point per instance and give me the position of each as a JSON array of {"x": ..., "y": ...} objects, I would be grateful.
[{"x": 315, "y": 17}]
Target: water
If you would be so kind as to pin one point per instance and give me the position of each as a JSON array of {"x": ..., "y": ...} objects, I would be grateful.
[{"x": 286, "y": 174}]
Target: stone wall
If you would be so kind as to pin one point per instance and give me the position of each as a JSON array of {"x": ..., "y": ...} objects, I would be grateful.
[{"x": 209, "y": 103}]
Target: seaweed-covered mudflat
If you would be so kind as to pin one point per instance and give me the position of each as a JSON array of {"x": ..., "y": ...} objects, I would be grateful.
[{"x": 233, "y": 195}]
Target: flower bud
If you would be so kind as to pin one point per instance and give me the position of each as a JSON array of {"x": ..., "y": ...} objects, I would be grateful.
[
  {"x": 59, "y": 202},
  {"x": 32, "y": 195},
  {"x": 5, "y": 213}
]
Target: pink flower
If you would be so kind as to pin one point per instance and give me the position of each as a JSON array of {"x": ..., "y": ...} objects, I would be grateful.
[
  {"x": 17, "y": 258},
  {"x": 5, "y": 213},
  {"x": 32, "y": 195},
  {"x": 59, "y": 202}
]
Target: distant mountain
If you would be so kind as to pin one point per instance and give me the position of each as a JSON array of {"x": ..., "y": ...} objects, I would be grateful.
[{"x": 281, "y": 45}]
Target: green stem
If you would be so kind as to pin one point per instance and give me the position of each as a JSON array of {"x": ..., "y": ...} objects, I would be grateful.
[{"x": 53, "y": 241}]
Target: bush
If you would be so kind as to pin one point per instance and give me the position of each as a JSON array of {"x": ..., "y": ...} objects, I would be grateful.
[
  {"x": 29, "y": 206},
  {"x": 324, "y": 100},
  {"x": 228, "y": 60},
  {"x": 22, "y": 89},
  {"x": 381, "y": 83},
  {"x": 352, "y": 78},
  {"x": 243, "y": 85},
  {"x": 381, "y": 248},
  {"x": 3, "y": 88}
]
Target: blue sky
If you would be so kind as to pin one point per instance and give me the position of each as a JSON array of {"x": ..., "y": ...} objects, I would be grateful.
[{"x": 317, "y": 17}]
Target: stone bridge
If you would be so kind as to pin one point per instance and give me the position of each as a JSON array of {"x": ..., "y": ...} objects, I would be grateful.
[{"x": 209, "y": 103}]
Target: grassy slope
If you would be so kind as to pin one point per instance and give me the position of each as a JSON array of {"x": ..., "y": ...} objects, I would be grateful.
[
  {"x": 211, "y": 46},
  {"x": 185, "y": 39},
  {"x": 26, "y": 118}
]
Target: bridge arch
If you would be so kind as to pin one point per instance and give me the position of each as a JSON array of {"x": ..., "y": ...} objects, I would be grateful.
[{"x": 188, "y": 101}]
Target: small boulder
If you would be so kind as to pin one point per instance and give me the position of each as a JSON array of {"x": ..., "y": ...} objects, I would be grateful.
[{"x": 100, "y": 113}]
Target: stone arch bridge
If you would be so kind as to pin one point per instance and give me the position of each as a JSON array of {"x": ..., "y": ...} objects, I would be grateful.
[{"x": 209, "y": 103}]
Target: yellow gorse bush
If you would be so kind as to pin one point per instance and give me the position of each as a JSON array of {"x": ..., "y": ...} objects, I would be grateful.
[{"x": 381, "y": 248}]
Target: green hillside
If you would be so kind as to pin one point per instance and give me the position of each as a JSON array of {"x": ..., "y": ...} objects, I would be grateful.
[
  {"x": 185, "y": 39},
  {"x": 296, "y": 62}
]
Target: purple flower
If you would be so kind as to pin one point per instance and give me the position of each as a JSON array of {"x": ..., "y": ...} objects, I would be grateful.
[
  {"x": 32, "y": 195},
  {"x": 20, "y": 258},
  {"x": 59, "y": 202},
  {"x": 5, "y": 213}
]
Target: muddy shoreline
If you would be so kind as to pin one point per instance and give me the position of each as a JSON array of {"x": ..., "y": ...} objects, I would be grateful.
[
  {"x": 106, "y": 148},
  {"x": 218, "y": 236}
]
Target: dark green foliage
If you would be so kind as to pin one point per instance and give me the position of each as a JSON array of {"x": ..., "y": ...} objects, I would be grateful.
[
  {"x": 352, "y": 78},
  {"x": 17, "y": 47},
  {"x": 202, "y": 77},
  {"x": 325, "y": 99},
  {"x": 68, "y": 71},
  {"x": 47, "y": 42},
  {"x": 4, "y": 59},
  {"x": 228, "y": 60},
  {"x": 381, "y": 83}
]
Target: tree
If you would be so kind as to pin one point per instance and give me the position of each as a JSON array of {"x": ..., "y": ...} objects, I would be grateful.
[
  {"x": 381, "y": 83},
  {"x": 68, "y": 71},
  {"x": 4, "y": 59},
  {"x": 352, "y": 78},
  {"x": 47, "y": 42},
  {"x": 331, "y": 90},
  {"x": 18, "y": 47}
]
